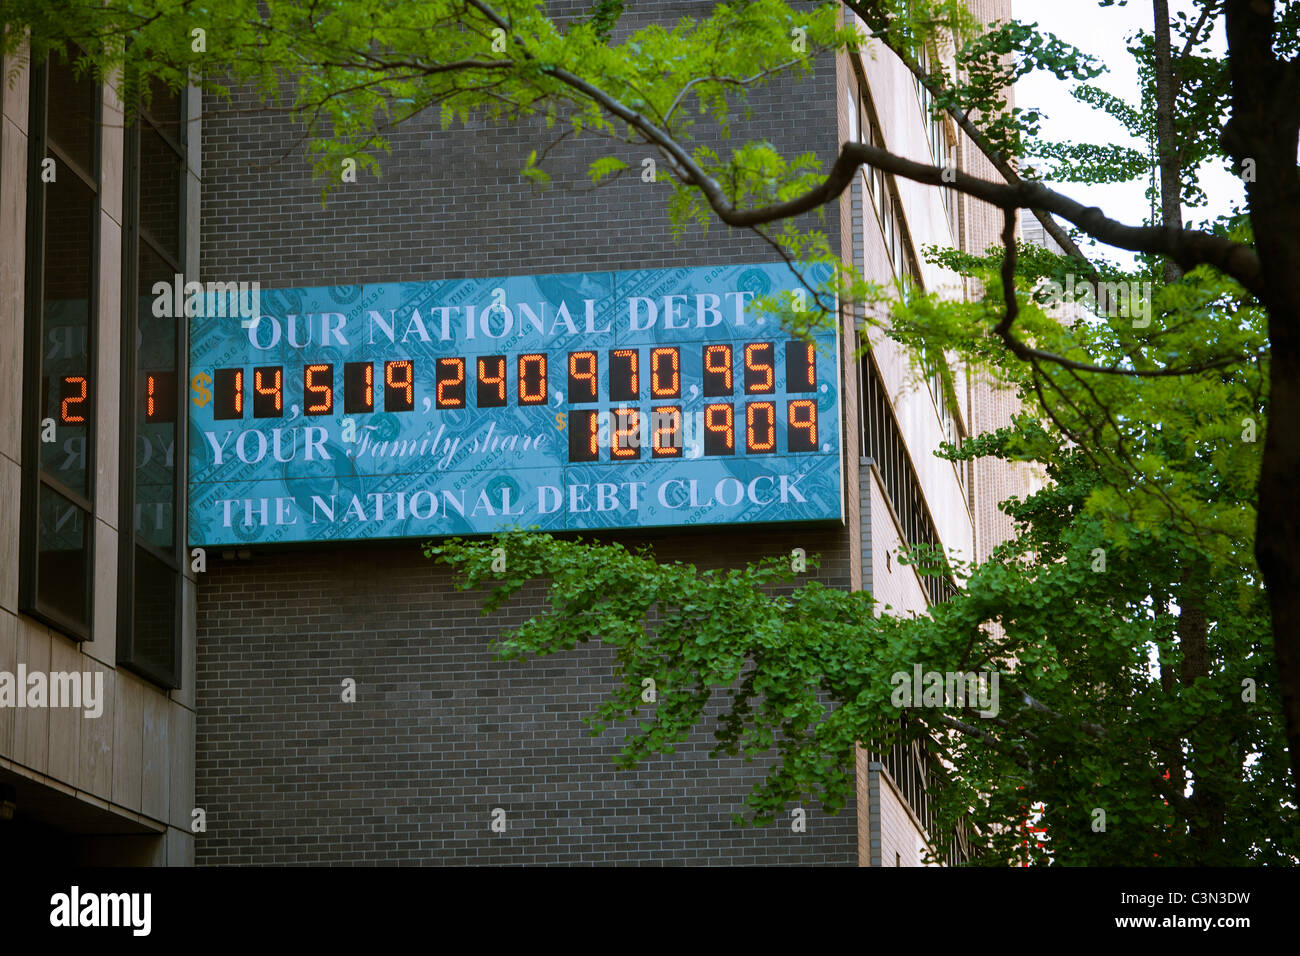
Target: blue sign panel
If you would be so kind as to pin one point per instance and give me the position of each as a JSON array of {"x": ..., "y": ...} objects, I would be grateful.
[{"x": 648, "y": 398}]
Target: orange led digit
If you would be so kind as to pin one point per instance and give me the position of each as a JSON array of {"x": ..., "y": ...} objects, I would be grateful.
[
  {"x": 268, "y": 392},
  {"x": 626, "y": 440},
  {"x": 238, "y": 386},
  {"x": 450, "y": 388},
  {"x": 665, "y": 373},
  {"x": 719, "y": 430},
  {"x": 532, "y": 379},
  {"x": 66, "y": 416},
  {"x": 399, "y": 386},
  {"x": 666, "y": 423},
  {"x": 624, "y": 384},
  {"x": 358, "y": 387},
  {"x": 717, "y": 370},
  {"x": 760, "y": 367},
  {"x": 491, "y": 381},
  {"x": 801, "y": 414},
  {"x": 160, "y": 397},
  {"x": 800, "y": 367},
  {"x": 318, "y": 384},
  {"x": 760, "y": 427},
  {"x": 584, "y": 434},
  {"x": 582, "y": 377}
]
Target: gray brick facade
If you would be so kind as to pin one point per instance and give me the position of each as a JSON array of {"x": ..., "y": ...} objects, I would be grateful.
[{"x": 442, "y": 732}]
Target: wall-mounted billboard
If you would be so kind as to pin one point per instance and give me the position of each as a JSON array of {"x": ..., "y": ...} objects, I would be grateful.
[{"x": 646, "y": 398}]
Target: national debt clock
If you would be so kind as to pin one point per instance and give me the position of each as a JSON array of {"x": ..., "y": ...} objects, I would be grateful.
[{"x": 649, "y": 398}]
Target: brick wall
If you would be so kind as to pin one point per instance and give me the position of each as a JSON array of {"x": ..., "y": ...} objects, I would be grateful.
[
  {"x": 990, "y": 407},
  {"x": 442, "y": 732},
  {"x": 899, "y": 836}
]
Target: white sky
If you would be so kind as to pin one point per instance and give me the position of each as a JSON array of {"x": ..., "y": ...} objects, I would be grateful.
[{"x": 1104, "y": 32}]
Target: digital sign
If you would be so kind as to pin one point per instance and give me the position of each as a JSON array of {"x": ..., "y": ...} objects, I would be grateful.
[{"x": 631, "y": 399}]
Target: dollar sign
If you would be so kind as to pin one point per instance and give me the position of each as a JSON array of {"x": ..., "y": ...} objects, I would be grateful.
[
  {"x": 560, "y": 421},
  {"x": 199, "y": 386}
]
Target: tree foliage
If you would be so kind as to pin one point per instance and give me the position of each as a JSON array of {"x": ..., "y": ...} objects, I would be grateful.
[{"x": 1079, "y": 614}]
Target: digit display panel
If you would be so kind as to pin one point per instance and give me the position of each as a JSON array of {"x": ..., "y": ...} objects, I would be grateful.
[{"x": 646, "y": 398}]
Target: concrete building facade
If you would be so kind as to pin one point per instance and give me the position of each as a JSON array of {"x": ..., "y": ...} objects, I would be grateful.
[{"x": 96, "y": 739}]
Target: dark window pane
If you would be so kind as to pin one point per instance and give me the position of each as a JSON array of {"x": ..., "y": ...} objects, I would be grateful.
[
  {"x": 159, "y": 396},
  {"x": 70, "y": 113},
  {"x": 164, "y": 108},
  {"x": 63, "y": 565},
  {"x": 154, "y": 614},
  {"x": 153, "y": 268},
  {"x": 160, "y": 191},
  {"x": 800, "y": 367},
  {"x": 68, "y": 385},
  {"x": 155, "y": 470},
  {"x": 69, "y": 236},
  {"x": 717, "y": 371},
  {"x": 624, "y": 377}
]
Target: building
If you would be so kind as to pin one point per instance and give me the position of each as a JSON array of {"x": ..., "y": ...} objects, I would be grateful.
[
  {"x": 223, "y": 736},
  {"x": 94, "y": 598}
]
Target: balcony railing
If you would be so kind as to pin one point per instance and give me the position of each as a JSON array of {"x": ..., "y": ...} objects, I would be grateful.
[
  {"x": 919, "y": 776},
  {"x": 882, "y": 442}
]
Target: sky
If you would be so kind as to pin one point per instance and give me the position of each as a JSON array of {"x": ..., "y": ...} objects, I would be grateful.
[{"x": 1104, "y": 32}]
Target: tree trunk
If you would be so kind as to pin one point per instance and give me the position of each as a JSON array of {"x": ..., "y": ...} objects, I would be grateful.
[
  {"x": 1171, "y": 189},
  {"x": 1262, "y": 135},
  {"x": 1277, "y": 536},
  {"x": 1207, "y": 808}
]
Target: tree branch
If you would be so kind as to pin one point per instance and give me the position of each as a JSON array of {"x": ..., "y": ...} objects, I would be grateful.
[
  {"x": 1171, "y": 179},
  {"x": 1188, "y": 247},
  {"x": 988, "y": 739},
  {"x": 1210, "y": 7},
  {"x": 731, "y": 80},
  {"x": 1162, "y": 786},
  {"x": 967, "y": 126}
]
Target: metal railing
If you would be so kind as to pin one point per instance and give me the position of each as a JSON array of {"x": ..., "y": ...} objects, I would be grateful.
[
  {"x": 882, "y": 442},
  {"x": 918, "y": 775}
]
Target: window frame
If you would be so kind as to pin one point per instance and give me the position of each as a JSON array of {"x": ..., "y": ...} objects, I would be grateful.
[
  {"x": 882, "y": 442},
  {"x": 133, "y": 234},
  {"x": 881, "y": 190},
  {"x": 33, "y": 478}
]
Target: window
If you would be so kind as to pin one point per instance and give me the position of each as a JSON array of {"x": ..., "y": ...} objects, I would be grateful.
[
  {"x": 852, "y": 96},
  {"x": 953, "y": 432},
  {"x": 909, "y": 759},
  {"x": 882, "y": 197},
  {"x": 941, "y": 149},
  {"x": 57, "y": 537},
  {"x": 882, "y": 442},
  {"x": 153, "y": 445}
]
